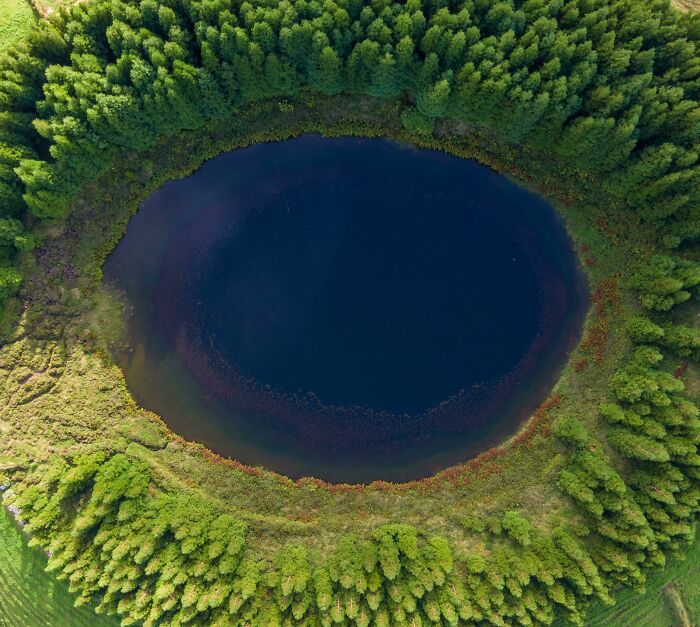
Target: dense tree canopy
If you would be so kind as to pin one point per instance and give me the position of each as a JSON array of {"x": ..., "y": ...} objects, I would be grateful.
[{"x": 608, "y": 87}]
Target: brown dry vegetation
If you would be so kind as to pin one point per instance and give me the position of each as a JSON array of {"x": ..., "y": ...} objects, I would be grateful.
[{"x": 687, "y": 5}]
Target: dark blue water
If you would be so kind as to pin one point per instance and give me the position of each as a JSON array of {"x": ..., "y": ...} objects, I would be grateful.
[{"x": 353, "y": 309}]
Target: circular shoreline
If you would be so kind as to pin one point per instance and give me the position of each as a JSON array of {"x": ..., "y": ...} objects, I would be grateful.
[
  {"x": 313, "y": 513},
  {"x": 189, "y": 408},
  {"x": 592, "y": 104}
]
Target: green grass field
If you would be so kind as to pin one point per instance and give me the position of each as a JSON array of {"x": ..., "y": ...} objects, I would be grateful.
[
  {"x": 31, "y": 597},
  {"x": 16, "y": 16},
  {"x": 656, "y": 607}
]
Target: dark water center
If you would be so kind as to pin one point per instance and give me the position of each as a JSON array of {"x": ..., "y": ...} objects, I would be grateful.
[{"x": 345, "y": 308}]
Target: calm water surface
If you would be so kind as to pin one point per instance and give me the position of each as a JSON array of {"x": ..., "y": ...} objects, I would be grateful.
[{"x": 348, "y": 308}]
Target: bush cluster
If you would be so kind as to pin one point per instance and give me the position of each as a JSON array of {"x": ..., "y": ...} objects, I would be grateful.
[{"x": 174, "y": 559}]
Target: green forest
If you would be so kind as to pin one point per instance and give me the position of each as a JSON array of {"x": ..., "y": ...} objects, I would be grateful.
[
  {"x": 601, "y": 95},
  {"x": 609, "y": 88}
]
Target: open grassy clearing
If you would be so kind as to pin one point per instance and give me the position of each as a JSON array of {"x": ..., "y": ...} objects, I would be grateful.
[
  {"x": 655, "y": 608},
  {"x": 16, "y": 17}
]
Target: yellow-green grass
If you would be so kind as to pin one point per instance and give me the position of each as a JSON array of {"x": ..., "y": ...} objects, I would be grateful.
[{"x": 16, "y": 18}]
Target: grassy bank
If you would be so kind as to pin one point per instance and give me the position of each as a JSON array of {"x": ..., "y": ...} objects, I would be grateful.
[{"x": 72, "y": 382}]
